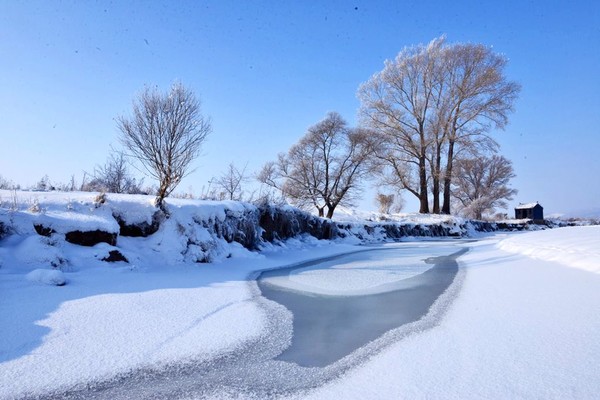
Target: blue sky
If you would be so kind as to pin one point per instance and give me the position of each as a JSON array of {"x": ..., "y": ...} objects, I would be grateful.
[{"x": 266, "y": 70}]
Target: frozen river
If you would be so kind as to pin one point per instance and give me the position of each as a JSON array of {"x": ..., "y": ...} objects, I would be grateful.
[
  {"x": 325, "y": 316},
  {"x": 341, "y": 304}
]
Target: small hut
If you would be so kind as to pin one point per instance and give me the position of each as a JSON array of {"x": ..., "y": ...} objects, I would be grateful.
[{"x": 533, "y": 211}]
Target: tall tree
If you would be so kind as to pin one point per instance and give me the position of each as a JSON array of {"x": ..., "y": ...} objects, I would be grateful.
[
  {"x": 481, "y": 184},
  {"x": 478, "y": 99},
  {"x": 323, "y": 169},
  {"x": 427, "y": 105},
  {"x": 165, "y": 133},
  {"x": 397, "y": 103}
]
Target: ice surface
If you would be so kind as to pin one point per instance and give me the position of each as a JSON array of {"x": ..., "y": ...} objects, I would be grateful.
[
  {"x": 360, "y": 273},
  {"x": 330, "y": 327}
]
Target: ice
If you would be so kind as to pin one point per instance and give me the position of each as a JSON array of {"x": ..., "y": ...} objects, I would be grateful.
[{"x": 359, "y": 274}]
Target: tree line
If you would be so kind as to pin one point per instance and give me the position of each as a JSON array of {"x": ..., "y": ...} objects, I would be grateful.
[{"x": 425, "y": 124}]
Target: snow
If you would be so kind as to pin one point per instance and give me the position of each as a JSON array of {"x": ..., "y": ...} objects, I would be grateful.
[
  {"x": 47, "y": 277},
  {"x": 343, "y": 214},
  {"x": 577, "y": 247},
  {"x": 525, "y": 206},
  {"x": 523, "y": 325}
]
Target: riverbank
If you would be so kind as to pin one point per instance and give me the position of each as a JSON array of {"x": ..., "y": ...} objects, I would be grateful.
[{"x": 515, "y": 325}]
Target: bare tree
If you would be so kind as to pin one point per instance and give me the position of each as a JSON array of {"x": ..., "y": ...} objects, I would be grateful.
[
  {"x": 230, "y": 183},
  {"x": 44, "y": 184},
  {"x": 5, "y": 183},
  {"x": 385, "y": 202},
  {"x": 389, "y": 203},
  {"x": 72, "y": 184},
  {"x": 481, "y": 184},
  {"x": 478, "y": 98},
  {"x": 323, "y": 169},
  {"x": 165, "y": 134},
  {"x": 397, "y": 103},
  {"x": 114, "y": 177},
  {"x": 428, "y": 105}
]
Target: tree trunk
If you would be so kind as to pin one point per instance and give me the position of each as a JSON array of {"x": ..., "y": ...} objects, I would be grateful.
[
  {"x": 321, "y": 211},
  {"x": 436, "y": 196},
  {"x": 448, "y": 178},
  {"x": 423, "y": 197},
  {"x": 160, "y": 197},
  {"x": 435, "y": 175},
  {"x": 330, "y": 211}
]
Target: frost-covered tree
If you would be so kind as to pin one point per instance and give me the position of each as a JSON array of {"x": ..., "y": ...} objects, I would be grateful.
[
  {"x": 478, "y": 98},
  {"x": 397, "y": 103},
  {"x": 165, "y": 133},
  {"x": 389, "y": 203},
  {"x": 324, "y": 168},
  {"x": 44, "y": 184},
  {"x": 114, "y": 177},
  {"x": 481, "y": 185},
  {"x": 230, "y": 183},
  {"x": 385, "y": 202},
  {"x": 5, "y": 183},
  {"x": 427, "y": 105}
]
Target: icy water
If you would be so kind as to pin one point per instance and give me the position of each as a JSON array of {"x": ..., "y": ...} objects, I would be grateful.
[
  {"x": 327, "y": 328},
  {"x": 329, "y": 333}
]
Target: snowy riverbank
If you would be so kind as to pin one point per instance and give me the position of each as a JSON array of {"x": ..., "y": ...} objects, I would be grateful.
[{"x": 523, "y": 326}]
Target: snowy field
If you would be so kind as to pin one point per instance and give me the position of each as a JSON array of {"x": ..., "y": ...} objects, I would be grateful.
[{"x": 524, "y": 324}]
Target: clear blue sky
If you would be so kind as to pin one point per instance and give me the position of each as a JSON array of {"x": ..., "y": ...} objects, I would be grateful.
[{"x": 266, "y": 70}]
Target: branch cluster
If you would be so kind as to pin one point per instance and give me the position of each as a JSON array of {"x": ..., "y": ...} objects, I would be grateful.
[
  {"x": 324, "y": 168},
  {"x": 165, "y": 133}
]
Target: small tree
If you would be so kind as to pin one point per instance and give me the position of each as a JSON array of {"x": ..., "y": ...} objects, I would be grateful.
[
  {"x": 385, "y": 202},
  {"x": 389, "y": 203},
  {"x": 5, "y": 183},
  {"x": 230, "y": 183},
  {"x": 44, "y": 184},
  {"x": 481, "y": 184},
  {"x": 323, "y": 169},
  {"x": 114, "y": 177},
  {"x": 165, "y": 133}
]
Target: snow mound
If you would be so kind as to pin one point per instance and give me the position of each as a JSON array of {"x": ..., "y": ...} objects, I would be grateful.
[
  {"x": 47, "y": 277},
  {"x": 577, "y": 247},
  {"x": 39, "y": 251}
]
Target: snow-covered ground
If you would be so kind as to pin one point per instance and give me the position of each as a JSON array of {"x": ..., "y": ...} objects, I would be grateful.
[
  {"x": 524, "y": 325},
  {"x": 577, "y": 247},
  {"x": 521, "y": 328}
]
